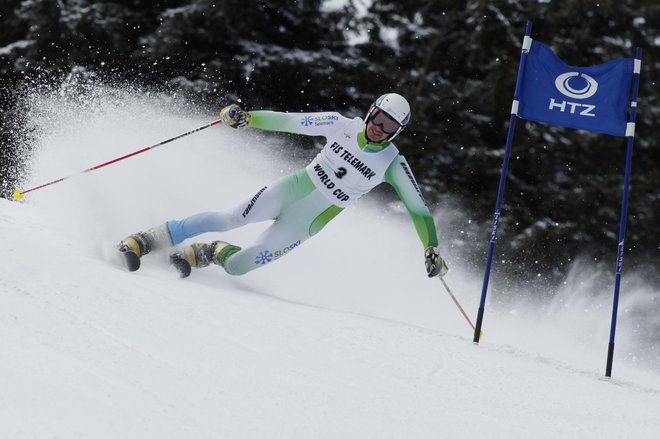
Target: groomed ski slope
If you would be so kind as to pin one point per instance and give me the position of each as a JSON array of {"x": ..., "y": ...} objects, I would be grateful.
[{"x": 344, "y": 338}]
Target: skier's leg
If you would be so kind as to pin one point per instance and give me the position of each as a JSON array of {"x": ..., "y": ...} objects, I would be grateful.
[
  {"x": 141, "y": 243},
  {"x": 267, "y": 203},
  {"x": 134, "y": 246},
  {"x": 296, "y": 224}
]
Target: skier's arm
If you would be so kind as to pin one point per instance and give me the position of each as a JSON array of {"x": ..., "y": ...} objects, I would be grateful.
[
  {"x": 310, "y": 124},
  {"x": 402, "y": 180}
]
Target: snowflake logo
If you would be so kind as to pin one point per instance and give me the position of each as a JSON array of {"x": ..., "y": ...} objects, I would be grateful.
[
  {"x": 307, "y": 121},
  {"x": 263, "y": 257}
]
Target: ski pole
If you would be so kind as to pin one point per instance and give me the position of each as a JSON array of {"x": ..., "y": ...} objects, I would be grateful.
[
  {"x": 19, "y": 193},
  {"x": 458, "y": 304}
]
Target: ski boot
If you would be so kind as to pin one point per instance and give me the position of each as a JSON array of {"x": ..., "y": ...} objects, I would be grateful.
[
  {"x": 133, "y": 247},
  {"x": 200, "y": 255}
]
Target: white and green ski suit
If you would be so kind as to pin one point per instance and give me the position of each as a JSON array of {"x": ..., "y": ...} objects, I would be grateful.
[{"x": 301, "y": 204}]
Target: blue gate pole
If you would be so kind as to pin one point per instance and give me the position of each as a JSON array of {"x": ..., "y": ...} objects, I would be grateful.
[
  {"x": 630, "y": 133},
  {"x": 505, "y": 166}
]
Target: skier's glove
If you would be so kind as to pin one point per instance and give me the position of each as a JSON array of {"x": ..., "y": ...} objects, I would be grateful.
[
  {"x": 435, "y": 265},
  {"x": 233, "y": 116}
]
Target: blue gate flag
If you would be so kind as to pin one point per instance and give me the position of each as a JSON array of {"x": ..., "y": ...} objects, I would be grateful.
[
  {"x": 587, "y": 98},
  {"x": 590, "y": 98}
]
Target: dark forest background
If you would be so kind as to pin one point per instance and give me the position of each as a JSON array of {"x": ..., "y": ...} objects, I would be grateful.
[{"x": 456, "y": 62}]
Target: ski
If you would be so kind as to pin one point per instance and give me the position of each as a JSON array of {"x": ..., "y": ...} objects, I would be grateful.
[
  {"x": 181, "y": 265},
  {"x": 130, "y": 259}
]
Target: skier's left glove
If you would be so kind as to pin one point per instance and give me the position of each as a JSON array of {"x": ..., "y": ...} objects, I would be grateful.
[
  {"x": 435, "y": 265},
  {"x": 233, "y": 116}
]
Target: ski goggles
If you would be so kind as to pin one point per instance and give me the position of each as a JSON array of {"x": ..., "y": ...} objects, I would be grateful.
[{"x": 385, "y": 122}]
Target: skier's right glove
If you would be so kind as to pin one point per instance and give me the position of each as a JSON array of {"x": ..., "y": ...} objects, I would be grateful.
[
  {"x": 233, "y": 116},
  {"x": 435, "y": 265}
]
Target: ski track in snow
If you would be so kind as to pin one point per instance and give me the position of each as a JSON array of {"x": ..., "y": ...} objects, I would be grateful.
[{"x": 329, "y": 342}]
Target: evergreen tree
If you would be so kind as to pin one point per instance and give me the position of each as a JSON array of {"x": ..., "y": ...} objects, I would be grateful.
[
  {"x": 276, "y": 53},
  {"x": 458, "y": 62}
]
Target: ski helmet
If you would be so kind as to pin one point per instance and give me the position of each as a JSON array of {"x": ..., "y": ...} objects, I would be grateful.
[{"x": 395, "y": 106}]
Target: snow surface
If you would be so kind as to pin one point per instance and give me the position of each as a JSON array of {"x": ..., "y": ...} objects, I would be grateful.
[{"x": 343, "y": 338}]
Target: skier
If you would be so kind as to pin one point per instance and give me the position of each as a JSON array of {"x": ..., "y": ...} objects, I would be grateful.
[{"x": 358, "y": 155}]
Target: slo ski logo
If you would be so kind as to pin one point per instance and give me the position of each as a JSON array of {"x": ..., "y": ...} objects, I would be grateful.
[
  {"x": 263, "y": 257},
  {"x": 575, "y": 85},
  {"x": 267, "y": 256},
  {"x": 307, "y": 121},
  {"x": 325, "y": 119},
  {"x": 285, "y": 250}
]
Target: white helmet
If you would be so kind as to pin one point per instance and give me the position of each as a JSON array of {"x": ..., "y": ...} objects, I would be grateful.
[{"x": 395, "y": 106}]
